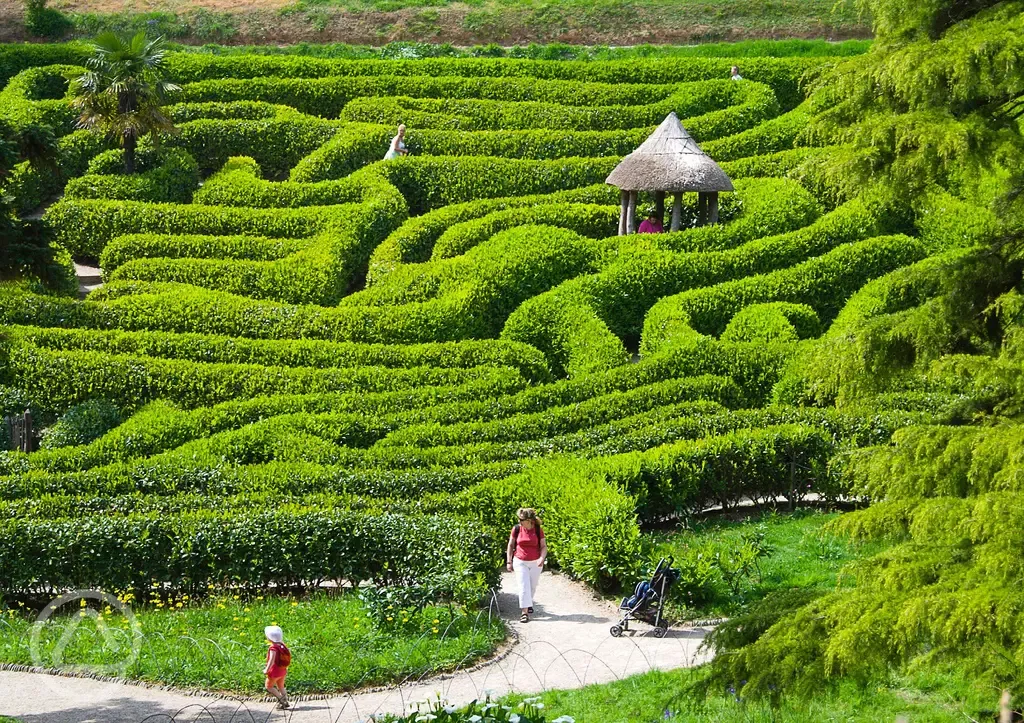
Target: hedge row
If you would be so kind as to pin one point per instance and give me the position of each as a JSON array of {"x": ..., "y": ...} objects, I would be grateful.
[
  {"x": 266, "y": 458},
  {"x": 568, "y": 322},
  {"x": 60, "y": 379},
  {"x": 328, "y": 96},
  {"x": 172, "y": 176},
  {"x": 289, "y": 353},
  {"x": 36, "y": 96},
  {"x": 569, "y": 418},
  {"x": 688, "y": 477},
  {"x": 781, "y": 74},
  {"x": 824, "y": 283},
  {"x": 190, "y": 551},
  {"x": 123, "y": 249},
  {"x": 277, "y": 144},
  {"x": 239, "y": 183},
  {"x": 159, "y": 426},
  {"x": 711, "y": 109},
  {"x": 414, "y": 240},
  {"x": 585, "y": 219},
  {"x": 776, "y": 321}
]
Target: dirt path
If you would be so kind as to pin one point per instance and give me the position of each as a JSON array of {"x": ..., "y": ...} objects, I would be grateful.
[{"x": 566, "y": 645}]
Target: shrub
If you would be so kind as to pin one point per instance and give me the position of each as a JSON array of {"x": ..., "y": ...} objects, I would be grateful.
[
  {"x": 81, "y": 424},
  {"x": 168, "y": 176},
  {"x": 778, "y": 321}
]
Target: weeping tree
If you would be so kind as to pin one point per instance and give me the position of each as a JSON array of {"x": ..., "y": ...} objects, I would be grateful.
[
  {"x": 935, "y": 108},
  {"x": 937, "y": 100},
  {"x": 123, "y": 92}
]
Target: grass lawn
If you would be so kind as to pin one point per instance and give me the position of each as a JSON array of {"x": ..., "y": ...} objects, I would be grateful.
[
  {"x": 220, "y": 644},
  {"x": 934, "y": 696},
  {"x": 798, "y": 553}
]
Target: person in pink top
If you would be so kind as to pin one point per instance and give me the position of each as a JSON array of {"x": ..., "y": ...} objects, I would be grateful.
[
  {"x": 652, "y": 224},
  {"x": 525, "y": 555}
]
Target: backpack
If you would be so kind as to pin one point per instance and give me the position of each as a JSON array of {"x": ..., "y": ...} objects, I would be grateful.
[
  {"x": 284, "y": 655},
  {"x": 515, "y": 532}
]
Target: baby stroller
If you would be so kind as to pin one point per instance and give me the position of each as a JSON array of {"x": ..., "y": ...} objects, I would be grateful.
[{"x": 647, "y": 603}]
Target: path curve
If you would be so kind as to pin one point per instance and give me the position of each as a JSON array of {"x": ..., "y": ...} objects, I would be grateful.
[{"x": 565, "y": 645}]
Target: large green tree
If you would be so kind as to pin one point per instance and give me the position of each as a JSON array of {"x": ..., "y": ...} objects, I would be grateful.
[{"x": 123, "y": 92}]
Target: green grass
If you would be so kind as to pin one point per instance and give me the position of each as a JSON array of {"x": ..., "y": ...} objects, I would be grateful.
[
  {"x": 802, "y": 554},
  {"x": 220, "y": 644},
  {"x": 932, "y": 696}
]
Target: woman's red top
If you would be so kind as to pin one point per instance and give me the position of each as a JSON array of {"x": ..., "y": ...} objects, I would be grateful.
[
  {"x": 528, "y": 542},
  {"x": 277, "y": 653}
]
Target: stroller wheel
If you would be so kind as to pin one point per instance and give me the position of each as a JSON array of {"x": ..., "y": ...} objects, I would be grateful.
[
  {"x": 660, "y": 632},
  {"x": 616, "y": 631}
]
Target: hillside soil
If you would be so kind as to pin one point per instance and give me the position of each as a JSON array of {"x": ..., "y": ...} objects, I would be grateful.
[{"x": 506, "y": 22}]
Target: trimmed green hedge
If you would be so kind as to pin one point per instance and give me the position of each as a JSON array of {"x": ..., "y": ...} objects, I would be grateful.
[
  {"x": 189, "y": 551},
  {"x": 824, "y": 283},
  {"x": 291, "y": 352},
  {"x": 60, "y": 379},
  {"x": 171, "y": 175},
  {"x": 777, "y": 321}
]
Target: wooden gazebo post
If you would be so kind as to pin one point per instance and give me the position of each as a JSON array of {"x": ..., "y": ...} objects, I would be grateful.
[{"x": 669, "y": 161}]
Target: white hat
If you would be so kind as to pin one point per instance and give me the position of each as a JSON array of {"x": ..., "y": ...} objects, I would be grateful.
[{"x": 274, "y": 633}]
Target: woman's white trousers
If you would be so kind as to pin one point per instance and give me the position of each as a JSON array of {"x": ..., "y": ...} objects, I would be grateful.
[{"x": 527, "y": 575}]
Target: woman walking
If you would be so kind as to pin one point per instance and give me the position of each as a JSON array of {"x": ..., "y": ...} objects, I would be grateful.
[
  {"x": 527, "y": 549},
  {"x": 397, "y": 148}
]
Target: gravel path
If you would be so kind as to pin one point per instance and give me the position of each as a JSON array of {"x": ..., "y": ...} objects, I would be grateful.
[{"x": 565, "y": 645}]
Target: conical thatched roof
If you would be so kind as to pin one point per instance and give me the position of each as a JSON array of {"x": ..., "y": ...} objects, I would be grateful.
[{"x": 670, "y": 160}]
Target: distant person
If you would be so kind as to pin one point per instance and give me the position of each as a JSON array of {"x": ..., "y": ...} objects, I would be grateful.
[
  {"x": 278, "y": 660},
  {"x": 652, "y": 224},
  {"x": 527, "y": 549},
  {"x": 736, "y": 73},
  {"x": 397, "y": 148}
]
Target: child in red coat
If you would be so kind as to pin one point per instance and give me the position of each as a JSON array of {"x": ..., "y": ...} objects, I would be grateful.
[{"x": 278, "y": 660}]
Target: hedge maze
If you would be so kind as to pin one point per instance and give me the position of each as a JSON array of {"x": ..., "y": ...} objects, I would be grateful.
[{"x": 336, "y": 367}]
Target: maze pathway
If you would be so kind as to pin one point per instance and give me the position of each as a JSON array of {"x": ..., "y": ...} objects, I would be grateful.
[{"x": 566, "y": 645}]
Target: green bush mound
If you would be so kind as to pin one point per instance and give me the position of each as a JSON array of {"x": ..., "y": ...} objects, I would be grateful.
[
  {"x": 171, "y": 175},
  {"x": 777, "y": 321}
]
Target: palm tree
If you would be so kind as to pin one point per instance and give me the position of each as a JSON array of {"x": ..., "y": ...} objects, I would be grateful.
[{"x": 123, "y": 91}]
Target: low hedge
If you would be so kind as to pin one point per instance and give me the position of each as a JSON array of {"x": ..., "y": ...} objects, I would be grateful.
[
  {"x": 292, "y": 352},
  {"x": 159, "y": 426},
  {"x": 36, "y": 96},
  {"x": 710, "y": 109},
  {"x": 60, "y": 379},
  {"x": 560, "y": 420},
  {"x": 277, "y": 144},
  {"x": 690, "y": 476},
  {"x": 414, "y": 240},
  {"x": 31, "y": 187},
  {"x": 585, "y": 219},
  {"x": 429, "y": 183},
  {"x": 189, "y": 551},
  {"x": 171, "y": 176},
  {"x": 778, "y": 321},
  {"x": 121, "y": 250},
  {"x": 238, "y": 183},
  {"x": 824, "y": 283},
  {"x": 621, "y": 294}
]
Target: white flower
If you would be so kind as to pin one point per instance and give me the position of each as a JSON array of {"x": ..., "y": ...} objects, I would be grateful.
[
  {"x": 425, "y": 717},
  {"x": 538, "y": 706},
  {"x": 489, "y": 706},
  {"x": 475, "y": 719},
  {"x": 534, "y": 699},
  {"x": 449, "y": 709},
  {"x": 564, "y": 719},
  {"x": 514, "y": 718}
]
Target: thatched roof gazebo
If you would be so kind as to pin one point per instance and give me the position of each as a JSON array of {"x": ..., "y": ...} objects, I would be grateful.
[{"x": 670, "y": 161}]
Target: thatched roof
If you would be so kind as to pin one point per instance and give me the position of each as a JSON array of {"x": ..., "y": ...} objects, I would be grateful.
[{"x": 670, "y": 160}]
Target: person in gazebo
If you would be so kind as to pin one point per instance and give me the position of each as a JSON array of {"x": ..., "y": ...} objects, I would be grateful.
[{"x": 651, "y": 224}]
